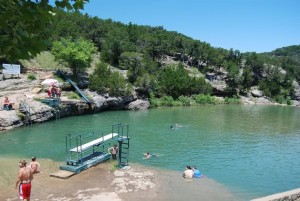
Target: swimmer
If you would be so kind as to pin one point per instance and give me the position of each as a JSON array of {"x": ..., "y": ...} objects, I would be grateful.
[
  {"x": 172, "y": 127},
  {"x": 148, "y": 155}
]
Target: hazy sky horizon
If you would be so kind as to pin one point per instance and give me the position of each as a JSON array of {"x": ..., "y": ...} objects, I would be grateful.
[{"x": 245, "y": 25}]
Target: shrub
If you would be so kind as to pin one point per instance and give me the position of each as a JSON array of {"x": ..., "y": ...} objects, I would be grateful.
[
  {"x": 232, "y": 100},
  {"x": 167, "y": 101},
  {"x": 186, "y": 101},
  {"x": 204, "y": 99},
  {"x": 73, "y": 95},
  {"x": 31, "y": 76}
]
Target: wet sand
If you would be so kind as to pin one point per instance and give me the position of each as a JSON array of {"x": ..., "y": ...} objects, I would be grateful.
[{"x": 99, "y": 183}]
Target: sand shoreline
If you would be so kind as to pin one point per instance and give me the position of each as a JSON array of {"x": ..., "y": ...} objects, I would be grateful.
[{"x": 101, "y": 183}]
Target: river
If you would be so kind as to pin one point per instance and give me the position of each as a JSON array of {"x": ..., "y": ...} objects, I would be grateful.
[{"x": 252, "y": 150}]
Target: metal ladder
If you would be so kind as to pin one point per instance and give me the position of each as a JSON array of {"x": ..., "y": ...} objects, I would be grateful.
[
  {"x": 123, "y": 140},
  {"x": 123, "y": 152}
]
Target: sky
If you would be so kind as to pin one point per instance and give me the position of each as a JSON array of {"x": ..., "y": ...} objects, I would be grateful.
[{"x": 245, "y": 25}]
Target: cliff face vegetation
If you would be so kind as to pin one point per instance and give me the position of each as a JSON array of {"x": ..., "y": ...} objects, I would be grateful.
[{"x": 160, "y": 64}]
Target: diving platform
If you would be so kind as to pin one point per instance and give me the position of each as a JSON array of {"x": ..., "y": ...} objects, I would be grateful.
[
  {"x": 87, "y": 162},
  {"x": 96, "y": 142},
  {"x": 89, "y": 149}
]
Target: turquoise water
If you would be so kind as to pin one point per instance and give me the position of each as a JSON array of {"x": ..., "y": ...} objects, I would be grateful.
[{"x": 252, "y": 150}]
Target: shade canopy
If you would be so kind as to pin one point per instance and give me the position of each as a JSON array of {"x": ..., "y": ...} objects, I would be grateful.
[{"x": 50, "y": 82}]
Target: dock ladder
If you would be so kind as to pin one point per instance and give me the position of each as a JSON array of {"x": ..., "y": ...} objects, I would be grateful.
[{"x": 123, "y": 140}]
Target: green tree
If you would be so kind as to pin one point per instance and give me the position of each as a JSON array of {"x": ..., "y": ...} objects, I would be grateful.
[
  {"x": 76, "y": 53},
  {"x": 22, "y": 22},
  {"x": 103, "y": 80}
]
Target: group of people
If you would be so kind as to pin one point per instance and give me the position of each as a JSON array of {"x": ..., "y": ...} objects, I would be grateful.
[
  {"x": 25, "y": 176},
  {"x": 190, "y": 173},
  {"x": 54, "y": 91},
  {"x": 7, "y": 104}
]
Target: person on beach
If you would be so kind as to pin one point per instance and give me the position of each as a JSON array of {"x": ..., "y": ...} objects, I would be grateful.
[
  {"x": 35, "y": 165},
  {"x": 114, "y": 151},
  {"x": 188, "y": 172},
  {"x": 197, "y": 173},
  {"x": 25, "y": 176}
]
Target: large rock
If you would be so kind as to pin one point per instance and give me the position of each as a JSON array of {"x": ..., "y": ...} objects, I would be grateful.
[
  {"x": 119, "y": 102},
  {"x": 9, "y": 120},
  {"x": 255, "y": 92},
  {"x": 297, "y": 91},
  {"x": 138, "y": 105}
]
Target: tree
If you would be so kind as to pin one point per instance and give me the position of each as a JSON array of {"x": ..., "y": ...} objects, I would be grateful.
[
  {"x": 77, "y": 54},
  {"x": 22, "y": 22},
  {"x": 103, "y": 80}
]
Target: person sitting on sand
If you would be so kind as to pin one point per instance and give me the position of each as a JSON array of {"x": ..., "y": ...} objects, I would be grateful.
[
  {"x": 35, "y": 165},
  {"x": 188, "y": 172}
]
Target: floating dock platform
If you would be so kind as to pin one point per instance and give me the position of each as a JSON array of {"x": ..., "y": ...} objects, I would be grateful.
[{"x": 91, "y": 160}]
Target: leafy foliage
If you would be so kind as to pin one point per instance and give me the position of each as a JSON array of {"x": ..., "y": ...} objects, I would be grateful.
[
  {"x": 103, "y": 80},
  {"x": 175, "y": 81},
  {"x": 77, "y": 53},
  {"x": 22, "y": 22}
]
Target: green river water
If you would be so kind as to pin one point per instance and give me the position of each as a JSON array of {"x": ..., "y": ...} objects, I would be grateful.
[{"x": 252, "y": 150}]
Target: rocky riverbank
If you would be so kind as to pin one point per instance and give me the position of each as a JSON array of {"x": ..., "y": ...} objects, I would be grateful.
[{"x": 22, "y": 90}]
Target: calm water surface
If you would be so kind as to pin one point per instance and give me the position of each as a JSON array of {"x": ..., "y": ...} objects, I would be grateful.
[{"x": 252, "y": 150}]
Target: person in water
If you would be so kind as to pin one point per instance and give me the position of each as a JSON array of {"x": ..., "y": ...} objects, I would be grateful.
[
  {"x": 25, "y": 176},
  {"x": 197, "y": 173},
  {"x": 148, "y": 155},
  {"x": 35, "y": 165},
  {"x": 114, "y": 151},
  {"x": 188, "y": 172}
]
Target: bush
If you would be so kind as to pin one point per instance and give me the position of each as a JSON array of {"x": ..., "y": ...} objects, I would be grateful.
[
  {"x": 186, "y": 101},
  {"x": 232, "y": 100},
  {"x": 167, "y": 101},
  {"x": 74, "y": 95},
  {"x": 204, "y": 99},
  {"x": 31, "y": 76}
]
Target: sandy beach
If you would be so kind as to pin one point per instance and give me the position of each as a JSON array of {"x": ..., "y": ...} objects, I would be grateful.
[{"x": 101, "y": 182}]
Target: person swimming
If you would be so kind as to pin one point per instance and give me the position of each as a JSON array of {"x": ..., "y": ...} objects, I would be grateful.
[
  {"x": 148, "y": 155},
  {"x": 172, "y": 127}
]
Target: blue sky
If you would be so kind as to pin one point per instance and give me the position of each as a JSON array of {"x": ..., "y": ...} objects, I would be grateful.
[{"x": 245, "y": 25}]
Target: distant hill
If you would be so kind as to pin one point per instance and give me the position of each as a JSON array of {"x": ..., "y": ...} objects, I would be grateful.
[{"x": 290, "y": 51}]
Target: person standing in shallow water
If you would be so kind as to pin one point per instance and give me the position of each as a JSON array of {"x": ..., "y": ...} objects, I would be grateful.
[
  {"x": 114, "y": 151},
  {"x": 25, "y": 176},
  {"x": 35, "y": 165}
]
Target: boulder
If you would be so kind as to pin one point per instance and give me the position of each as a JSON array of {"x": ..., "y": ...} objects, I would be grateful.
[
  {"x": 256, "y": 93},
  {"x": 138, "y": 105},
  {"x": 297, "y": 91}
]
